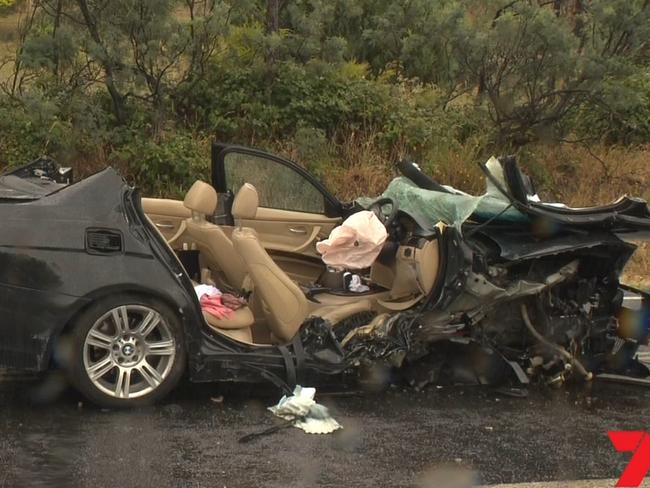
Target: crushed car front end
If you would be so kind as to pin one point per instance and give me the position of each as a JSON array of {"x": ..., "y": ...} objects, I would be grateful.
[{"x": 537, "y": 296}]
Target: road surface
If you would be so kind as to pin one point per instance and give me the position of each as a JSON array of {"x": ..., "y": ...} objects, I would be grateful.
[{"x": 393, "y": 438}]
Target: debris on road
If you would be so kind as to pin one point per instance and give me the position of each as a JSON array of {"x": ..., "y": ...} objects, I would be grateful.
[
  {"x": 305, "y": 413},
  {"x": 302, "y": 411}
]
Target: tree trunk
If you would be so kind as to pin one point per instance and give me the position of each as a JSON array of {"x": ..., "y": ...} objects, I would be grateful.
[
  {"x": 107, "y": 64},
  {"x": 24, "y": 28},
  {"x": 272, "y": 26},
  {"x": 272, "y": 16},
  {"x": 57, "y": 22}
]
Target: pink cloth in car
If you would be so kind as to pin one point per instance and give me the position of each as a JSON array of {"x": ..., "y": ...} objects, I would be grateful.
[
  {"x": 212, "y": 304},
  {"x": 356, "y": 243}
]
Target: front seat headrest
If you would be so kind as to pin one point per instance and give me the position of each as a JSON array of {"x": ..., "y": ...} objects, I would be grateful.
[
  {"x": 246, "y": 202},
  {"x": 201, "y": 198}
]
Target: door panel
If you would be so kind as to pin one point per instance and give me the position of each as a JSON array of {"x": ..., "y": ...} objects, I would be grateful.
[
  {"x": 292, "y": 232},
  {"x": 167, "y": 215}
]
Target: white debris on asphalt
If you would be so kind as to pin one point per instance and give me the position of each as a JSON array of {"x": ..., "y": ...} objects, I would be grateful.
[{"x": 309, "y": 416}]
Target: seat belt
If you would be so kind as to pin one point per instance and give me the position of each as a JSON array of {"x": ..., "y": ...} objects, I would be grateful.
[
  {"x": 289, "y": 367},
  {"x": 299, "y": 352}
]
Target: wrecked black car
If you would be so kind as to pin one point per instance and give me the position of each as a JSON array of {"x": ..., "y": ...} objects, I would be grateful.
[{"x": 496, "y": 289}]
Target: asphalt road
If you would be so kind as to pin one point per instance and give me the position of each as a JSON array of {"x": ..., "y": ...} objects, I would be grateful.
[{"x": 394, "y": 438}]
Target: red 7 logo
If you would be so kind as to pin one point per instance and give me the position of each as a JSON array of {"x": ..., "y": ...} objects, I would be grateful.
[{"x": 638, "y": 442}]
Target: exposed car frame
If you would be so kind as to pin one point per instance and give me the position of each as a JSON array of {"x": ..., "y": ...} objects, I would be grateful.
[{"x": 66, "y": 248}]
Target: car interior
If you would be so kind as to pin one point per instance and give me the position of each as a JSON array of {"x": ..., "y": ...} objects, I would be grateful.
[{"x": 269, "y": 255}]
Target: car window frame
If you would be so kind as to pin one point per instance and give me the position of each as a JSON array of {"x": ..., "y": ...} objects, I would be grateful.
[{"x": 332, "y": 206}]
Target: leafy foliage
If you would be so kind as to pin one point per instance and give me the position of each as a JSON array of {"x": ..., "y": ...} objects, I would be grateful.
[{"x": 146, "y": 84}]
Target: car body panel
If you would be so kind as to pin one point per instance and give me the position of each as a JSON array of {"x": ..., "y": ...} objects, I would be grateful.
[
  {"x": 55, "y": 259},
  {"x": 517, "y": 245},
  {"x": 33, "y": 180},
  {"x": 626, "y": 216}
]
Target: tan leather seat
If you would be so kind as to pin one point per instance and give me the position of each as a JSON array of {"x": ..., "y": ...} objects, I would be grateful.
[
  {"x": 285, "y": 301},
  {"x": 215, "y": 247},
  {"x": 237, "y": 326},
  {"x": 245, "y": 204},
  {"x": 286, "y": 304},
  {"x": 217, "y": 251}
]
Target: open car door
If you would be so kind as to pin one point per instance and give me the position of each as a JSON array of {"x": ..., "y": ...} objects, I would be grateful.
[{"x": 295, "y": 210}]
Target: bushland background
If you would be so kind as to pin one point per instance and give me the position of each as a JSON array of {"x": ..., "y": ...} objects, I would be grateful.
[{"x": 344, "y": 87}]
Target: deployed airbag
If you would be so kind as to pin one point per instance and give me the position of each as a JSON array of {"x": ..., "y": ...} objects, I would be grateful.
[{"x": 356, "y": 243}]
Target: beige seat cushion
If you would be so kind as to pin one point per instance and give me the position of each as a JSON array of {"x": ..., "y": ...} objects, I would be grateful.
[
  {"x": 237, "y": 320},
  {"x": 286, "y": 303},
  {"x": 237, "y": 325},
  {"x": 242, "y": 335}
]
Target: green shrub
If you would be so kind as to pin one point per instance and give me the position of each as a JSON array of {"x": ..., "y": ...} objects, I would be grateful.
[
  {"x": 620, "y": 115},
  {"x": 166, "y": 167},
  {"x": 255, "y": 102},
  {"x": 31, "y": 130}
]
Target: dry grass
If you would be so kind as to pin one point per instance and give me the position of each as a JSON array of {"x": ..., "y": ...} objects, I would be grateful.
[
  {"x": 581, "y": 176},
  {"x": 637, "y": 272},
  {"x": 366, "y": 171},
  {"x": 8, "y": 33}
]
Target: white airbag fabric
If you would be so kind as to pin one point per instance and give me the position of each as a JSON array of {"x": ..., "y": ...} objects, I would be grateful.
[
  {"x": 309, "y": 416},
  {"x": 356, "y": 243}
]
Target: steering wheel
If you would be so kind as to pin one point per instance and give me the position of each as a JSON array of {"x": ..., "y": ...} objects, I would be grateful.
[{"x": 377, "y": 209}]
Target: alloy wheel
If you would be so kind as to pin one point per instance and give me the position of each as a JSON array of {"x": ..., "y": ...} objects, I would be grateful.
[{"x": 129, "y": 351}]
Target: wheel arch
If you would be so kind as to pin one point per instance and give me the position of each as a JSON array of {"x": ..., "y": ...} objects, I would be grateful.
[{"x": 90, "y": 299}]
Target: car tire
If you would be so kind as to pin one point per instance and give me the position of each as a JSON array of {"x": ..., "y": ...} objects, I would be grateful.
[{"x": 126, "y": 351}]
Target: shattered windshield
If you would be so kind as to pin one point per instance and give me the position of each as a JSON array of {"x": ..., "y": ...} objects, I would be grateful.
[{"x": 452, "y": 207}]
